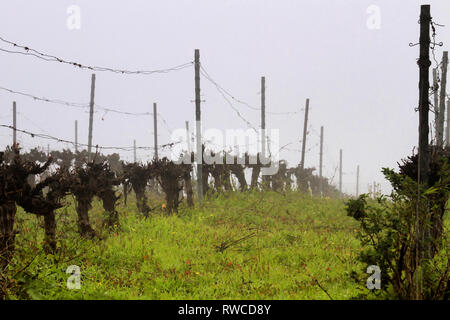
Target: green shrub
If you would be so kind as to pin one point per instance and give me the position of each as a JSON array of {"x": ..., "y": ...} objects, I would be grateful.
[{"x": 404, "y": 234}]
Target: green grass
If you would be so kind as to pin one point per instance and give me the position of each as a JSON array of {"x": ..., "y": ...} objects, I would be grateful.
[{"x": 291, "y": 245}]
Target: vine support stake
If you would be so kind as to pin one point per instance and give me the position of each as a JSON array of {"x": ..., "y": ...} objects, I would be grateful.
[
  {"x": 424, "y": 84},
  {"x": 91, "y": 116},
  {"x": 340, "y": 173},
  {"x": 76, "y": 136},
  {"x": 155, "y": 129},
  {"x": 442, "y": 99},
  {"x": 321, "y": 162},
  {"x": 14, "y": 124},
  {"x": 357, "y": 181},
  {"x": 305, "y": 132},
  {"x": 198, "y": 127}
]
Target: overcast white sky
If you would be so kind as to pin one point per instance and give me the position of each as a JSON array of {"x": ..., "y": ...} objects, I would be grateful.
[{"x": 362, "y": 83}]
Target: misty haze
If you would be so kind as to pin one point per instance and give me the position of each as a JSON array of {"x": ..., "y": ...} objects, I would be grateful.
[{"x": 224, "y": 150}]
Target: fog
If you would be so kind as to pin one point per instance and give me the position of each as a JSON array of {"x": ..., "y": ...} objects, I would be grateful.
[{"x": 362, "y": 81}]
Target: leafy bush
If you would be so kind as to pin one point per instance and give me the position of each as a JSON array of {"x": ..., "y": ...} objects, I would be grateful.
[{"x": 404, "y": 234}]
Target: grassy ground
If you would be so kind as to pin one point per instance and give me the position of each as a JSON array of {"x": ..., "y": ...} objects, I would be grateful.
[{"x": 236, "y": 246}]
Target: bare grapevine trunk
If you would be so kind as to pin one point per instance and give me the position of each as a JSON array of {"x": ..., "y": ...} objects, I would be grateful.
[
  {"x": 226, "y": 179},
  {"x": 7, "y": 234},
  {"x": 172, "y": 201},
  {"x": 238, "y": 171},
  {"x": 141, "y": 201},
  {"x": 255, "y": 175},
  {"x": 84, "y": 227},
  {"x": 189, "y": 191},
  {"x": 171, "y": 189},
  {"x": 205, "y": 176},
  {"x": 50, "y": 232},
  {"x": 125, "y": 193},
  {"x": 217, "y": 175},
  {"x": 109, "y": 200}
]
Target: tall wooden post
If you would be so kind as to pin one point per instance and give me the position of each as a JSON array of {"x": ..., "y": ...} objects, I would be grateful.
[
  {"x": 305, "y": 131},
  {"x": 14, "y": 125},
  {"x": 265, "y": 146},
  {"x": 155, "y": 129},
  {"x": 91, "y": 116},
  {"x": 263, "y": 116},
  {"x": 357, "y": 181},
  {"x": 443, "y": 95},
  {"x": 438, "y": 133},
  {"x": 198, "y": 127},
  {"x": 134, "y": 151},
  {"x": 422, "y": 175},
  {"x": 188, "y": 138},
  {"x": 447, "y": 131},
  {"x": 189, "y": 148},
  {"x": 340, "y": 173},
  {"x": 423, "y": 156},
  {"x": 321, "y": 162},
  {"x": 76, "y": 136},
  {"x": 424, "y": 84}
]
